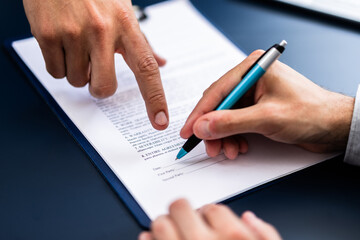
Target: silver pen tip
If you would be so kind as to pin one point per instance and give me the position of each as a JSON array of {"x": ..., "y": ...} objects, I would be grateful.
[
  {"x": 176, "y": 159},
  {"x": 283, "y": 43}
]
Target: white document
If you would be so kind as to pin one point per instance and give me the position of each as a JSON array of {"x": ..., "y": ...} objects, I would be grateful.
[{"x": 143, "y": 158}]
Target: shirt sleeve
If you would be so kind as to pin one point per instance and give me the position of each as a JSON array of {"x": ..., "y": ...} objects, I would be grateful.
[{"x": 352, "y": 154}]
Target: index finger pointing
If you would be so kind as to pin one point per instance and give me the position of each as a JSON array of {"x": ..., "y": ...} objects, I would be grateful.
[{"x": 140, "y": 58}]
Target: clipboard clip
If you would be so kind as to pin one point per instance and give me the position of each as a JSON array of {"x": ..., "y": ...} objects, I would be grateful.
[{"x": 139, "y": 13}]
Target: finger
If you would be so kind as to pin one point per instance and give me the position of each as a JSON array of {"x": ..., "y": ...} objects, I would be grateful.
[
  {"x": 160, "y": 60},
  {"x": 163, "y": 228},
  {"x": 145, "y": 236},
  {"x": 231, "y": 147},
  {"x": 54, "y": 57},
  {"x": 187, "y": 220},
  {"x": 217, "y": 92},
  {"x": 224, "y": 123},
  {"x": 102, "y": 79},
  {"x": 213, "y": 147},
  {"x": 263, "y": 230},
  {"x": 77, "y": 63},
  {"x": 222, "y": 220},
  {"x": 243, "y": 144},
  {"x": 142, "y": 62}
]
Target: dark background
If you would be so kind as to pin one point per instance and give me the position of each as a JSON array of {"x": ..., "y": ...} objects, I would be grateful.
[{"x": 50, "y": 190}]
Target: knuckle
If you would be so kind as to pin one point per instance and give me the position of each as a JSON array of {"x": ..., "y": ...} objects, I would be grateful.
[
  {"x": 45, "y": 35},
  {"x": 148, "y": 65},
  {"x": 205, "y": 92},
  {"x": 125, "y": 18},
  {"x": 100, "y": 25},
  {"x": 213, "y": 85},
  {"x": 72, "y": 32}
]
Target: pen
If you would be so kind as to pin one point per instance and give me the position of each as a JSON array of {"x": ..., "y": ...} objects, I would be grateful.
[{"x": 254, "y": 73}]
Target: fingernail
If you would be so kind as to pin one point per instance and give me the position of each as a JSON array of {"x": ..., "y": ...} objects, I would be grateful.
[
  {"x": 204, "y": 129},
  {"x": 161, "y": 119}
]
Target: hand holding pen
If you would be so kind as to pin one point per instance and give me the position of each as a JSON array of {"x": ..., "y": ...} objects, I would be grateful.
[
  {"x": 249, "y": 78},
  {"x": 283, "y": 105}
]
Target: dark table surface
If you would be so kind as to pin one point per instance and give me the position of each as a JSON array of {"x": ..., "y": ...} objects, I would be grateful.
[{"x": 50, "y": 190}]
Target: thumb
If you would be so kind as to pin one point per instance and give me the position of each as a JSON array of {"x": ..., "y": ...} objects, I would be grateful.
[{"x": 224, "y": 123}]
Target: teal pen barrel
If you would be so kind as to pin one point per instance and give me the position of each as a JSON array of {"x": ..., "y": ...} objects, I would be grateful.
[{"x": 246, "y": 83}]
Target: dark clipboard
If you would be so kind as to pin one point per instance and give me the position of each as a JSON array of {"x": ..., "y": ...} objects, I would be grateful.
[{"x": 94, "y": 156}]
